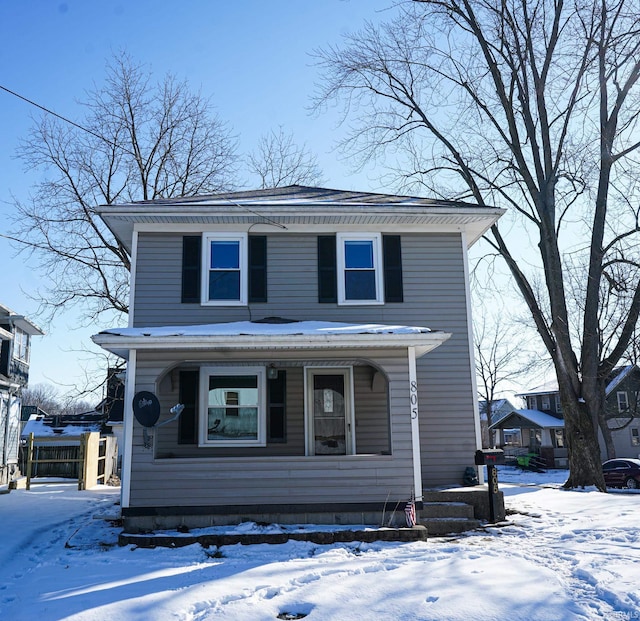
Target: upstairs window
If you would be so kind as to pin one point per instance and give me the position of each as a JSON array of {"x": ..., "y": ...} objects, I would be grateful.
[
  {"x": 546, "y": 403},
  {"x": 359, "y": 268},
  {"x": 224, "y": 269},
  {"x": 558, "y": 404},
  {"x": 531, "y": 403},
  {"x": 623, "y": 401},
  {"x": 635, "y": 436},
  {"x": 21, "y": 345}
]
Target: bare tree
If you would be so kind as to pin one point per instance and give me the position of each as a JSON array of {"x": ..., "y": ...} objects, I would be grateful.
[
  {"x": 43, "y": 396},
  {"x": 48, "y": 399},
  {"x": 278, "y": 161},
  {"x": 138, "y": 141},
  {"x": 531, "y": 105},
  {"x": 500, "y": 358}
]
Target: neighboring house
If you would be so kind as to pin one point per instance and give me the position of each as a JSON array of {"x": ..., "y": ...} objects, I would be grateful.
[
  {"x": 499, "y": 409},
  {"x": 623, "y": 411},
  {"x": 112, "y": 406},
  {"x": 544, "y": 432},
  {"x": 291, "y": 324},
  {"x": 15, "y": 340}
]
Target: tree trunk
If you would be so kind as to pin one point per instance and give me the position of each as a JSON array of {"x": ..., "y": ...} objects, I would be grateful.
[{"x": 584, "y": 451}]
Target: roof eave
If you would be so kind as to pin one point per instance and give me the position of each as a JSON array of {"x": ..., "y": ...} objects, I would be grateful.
[{"x": 121, "y": 345}]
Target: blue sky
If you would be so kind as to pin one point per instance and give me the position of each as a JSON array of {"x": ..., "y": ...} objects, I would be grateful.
[{"x": 251, "y": 57}]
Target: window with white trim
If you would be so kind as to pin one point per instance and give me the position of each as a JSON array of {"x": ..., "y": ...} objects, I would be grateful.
[
  {"x": 635, "y": 436},
  {"x": 623, "y": 401},
  {"x": 359, "y": 262},
  {"x": 558, "y": 404},
  {"x": 224, "y": 269},
  {"x": 546, "y": 402},
  {"x": 21, "y": 345},
  {"x": 233, "y": 402},
  {"x": 531, "y": 403}
]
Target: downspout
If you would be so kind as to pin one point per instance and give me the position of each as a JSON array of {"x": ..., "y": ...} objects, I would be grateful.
[{"x": 415, "y": 424}]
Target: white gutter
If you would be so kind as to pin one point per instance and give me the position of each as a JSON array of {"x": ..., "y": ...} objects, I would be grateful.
[{"x": 422, "y": 342}]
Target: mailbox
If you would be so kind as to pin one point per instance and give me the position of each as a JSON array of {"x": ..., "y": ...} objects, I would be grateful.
[{"x": 489, "y": 457}]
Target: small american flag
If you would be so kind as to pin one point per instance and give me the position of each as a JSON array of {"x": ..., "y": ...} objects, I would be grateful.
[{"x": 410, "y": 513}]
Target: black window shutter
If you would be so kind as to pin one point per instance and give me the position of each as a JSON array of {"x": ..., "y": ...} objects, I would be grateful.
[
  {"x": 257, "y": 268},
  {"x": 327, "y": 276},
  {"x": 188, "y": 396},
  {"x": 392, "y": 259},
  {"x": 276, "y": 411},
  {"x": 191, "y": 262}
]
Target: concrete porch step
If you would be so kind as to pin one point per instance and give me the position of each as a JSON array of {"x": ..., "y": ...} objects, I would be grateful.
[
  {"x": 438, "y": 527},
  {"x": 460, "y": 510}
]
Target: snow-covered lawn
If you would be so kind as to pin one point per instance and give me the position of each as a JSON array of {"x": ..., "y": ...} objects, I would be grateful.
[{"x": 561, "y": 555}]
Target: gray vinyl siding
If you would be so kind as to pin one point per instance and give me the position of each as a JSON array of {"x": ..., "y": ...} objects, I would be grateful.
[
  {"x": 271, "y": 479},
  {"x": 434, "y": 296}
]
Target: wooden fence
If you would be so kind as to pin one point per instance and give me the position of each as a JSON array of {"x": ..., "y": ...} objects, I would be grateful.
[{"x": 91, "y": 460}]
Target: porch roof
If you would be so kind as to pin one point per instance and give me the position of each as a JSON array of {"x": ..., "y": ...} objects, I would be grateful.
[
  {"x": 259, "y": 335},
  {"x": 528, "y": 419}
]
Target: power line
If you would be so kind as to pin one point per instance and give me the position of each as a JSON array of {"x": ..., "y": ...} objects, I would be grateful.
[
  {"x": 62, "y": 118},
  {"x": 117, "y": 146}
]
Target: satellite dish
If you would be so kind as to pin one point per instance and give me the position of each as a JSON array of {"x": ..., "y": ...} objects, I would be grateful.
[{"x": 146, "y": 408}]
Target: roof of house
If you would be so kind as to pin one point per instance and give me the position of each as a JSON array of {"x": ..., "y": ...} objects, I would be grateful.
[
  {"x": 20, "y": 321},
  {"x": 302, "y": 206},
  {"x": 272, "y": 334},
  {"x": 550, "y": 387},
  {"x": 528, "y": 419}
]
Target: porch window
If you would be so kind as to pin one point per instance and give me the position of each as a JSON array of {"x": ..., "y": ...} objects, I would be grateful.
[
  {"x": 623, "y": 401},
  {"x": 359, "y": 268},
  {"x": 224, "y": 269},
  {"x": 233, "y": 402}
]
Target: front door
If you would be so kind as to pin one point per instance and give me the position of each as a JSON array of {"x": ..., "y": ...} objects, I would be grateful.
[{"x": 329, "y": 411}]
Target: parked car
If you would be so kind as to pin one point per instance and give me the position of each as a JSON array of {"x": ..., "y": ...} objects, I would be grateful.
[{"x": 622, "y": 473}]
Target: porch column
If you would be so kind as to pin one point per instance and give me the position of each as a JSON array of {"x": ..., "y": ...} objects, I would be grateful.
[
  {"x": 415, "y": 424},
  {"x": 129, "y": 392}
]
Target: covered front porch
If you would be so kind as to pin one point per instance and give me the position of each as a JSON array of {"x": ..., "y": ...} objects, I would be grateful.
[{"x": 302, "y": 418}]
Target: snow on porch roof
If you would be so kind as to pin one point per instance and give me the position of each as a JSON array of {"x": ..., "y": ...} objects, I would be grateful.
[
  {"x": 272, "y": 333},
  {"x": 524, "y": 419}
]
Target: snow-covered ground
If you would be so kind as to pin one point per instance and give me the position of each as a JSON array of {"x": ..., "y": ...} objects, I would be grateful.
[{"x": 561, "y": 555}]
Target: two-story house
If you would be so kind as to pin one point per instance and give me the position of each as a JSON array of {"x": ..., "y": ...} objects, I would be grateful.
[
  {"x": 320, "y": 341},
  {"x": 15, "y": 346}
]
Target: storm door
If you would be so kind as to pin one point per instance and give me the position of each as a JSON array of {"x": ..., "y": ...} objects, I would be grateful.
[{"x": 329, "y": 411}]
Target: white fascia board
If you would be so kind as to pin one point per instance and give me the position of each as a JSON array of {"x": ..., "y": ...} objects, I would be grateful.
[{"x": 423, "y": 343}]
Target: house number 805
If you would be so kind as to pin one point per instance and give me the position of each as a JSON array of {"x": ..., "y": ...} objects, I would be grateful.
[{"x": 413, "y": 397}]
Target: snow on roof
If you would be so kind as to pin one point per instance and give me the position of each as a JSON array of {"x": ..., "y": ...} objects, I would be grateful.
[
  {"x": 39, "y": 428},
  {"x": 252, "y": 328},
  {"x": 617, "y": 376},
  {"x": 544, "y": 389},
  {"x": 536, "y": 417}
]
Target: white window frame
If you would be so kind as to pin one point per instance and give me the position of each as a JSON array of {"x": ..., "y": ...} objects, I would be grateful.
[
  {"x": 205, "y": 373},
  {"x": 376, "y": 239},
  {"x": 558, "y": 404},
  {"x": 623, "y": 401},
  {"x": 532, "y": 403},
  {"x": 546, "y": 402},
  {"x": 635, "y": 437},
  {"x": 241, "y": 238}
]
